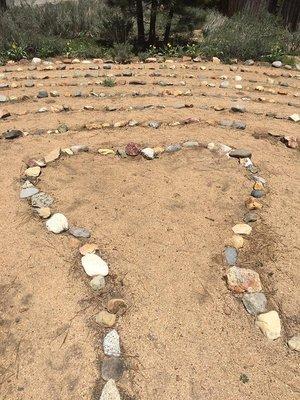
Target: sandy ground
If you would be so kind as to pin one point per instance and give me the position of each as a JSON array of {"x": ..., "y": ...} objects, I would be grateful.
[{"x": 162, "y": 226}]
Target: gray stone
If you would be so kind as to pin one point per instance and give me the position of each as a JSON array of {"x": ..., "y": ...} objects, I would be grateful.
[
  {"x": 29, "y": 84},
  {"x": 172, "y": 148},
  {"x": 225, "y": 123},
  {"x": 42, "y": 94},
  {"x": 257, "y": 193},
  {"x": 80, "y": 232},
  {"x": 112, "y": 368},
  {"x": 230, "y": 255},
  {"x": 28, "y": 192},
  {"x": 277, "y": 64},
  {"x": 238, "y": 125},
  {"x": 110, "y": 391},
  {"x": 41, "y": 199},
  {"x": 154, "y": 124},
  {"x": 249, "y": 62},
  {"x": 240, "y": 153},
  {"x": 13, "y": 134},
  {"x": 250, "y": 217},
  {"x": 63, "y": 128},
  {"x": 294, "y": 343},
  {"x": 255, "y": 303},
  {"x": 79, "y": 148},
  {"x": 190, "y": 144},
  {"x": 238, "y": 108},
  {"x": 97, "y": 283},
  {"x": 3, "y": 98},
  {"x": 224, "y": 84},
  {"x": 111, "y": 344}
]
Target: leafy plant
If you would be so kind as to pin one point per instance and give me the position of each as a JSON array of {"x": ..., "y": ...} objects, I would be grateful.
[{"x": 109, "y": 82}]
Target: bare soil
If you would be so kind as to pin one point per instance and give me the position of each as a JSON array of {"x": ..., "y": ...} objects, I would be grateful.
[{"x": 162, "y": 226}]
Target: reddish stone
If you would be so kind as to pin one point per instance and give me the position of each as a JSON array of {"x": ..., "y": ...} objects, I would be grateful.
[
  {"x": 291, "y": 142},
  {"x": 132, "y": 149},
  {"x": 241, "y": 280}
]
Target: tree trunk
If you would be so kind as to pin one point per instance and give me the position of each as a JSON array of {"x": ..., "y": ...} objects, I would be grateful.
[
  {"x": 254, "y": 6},
  {"x": 152, "y": 30},
  {"x": 3, "y": 5},
  {"x": 273, "y": 6},
  {"x": 168, "y": 25},
  {"x": 290, "y": 12},
  {"x": 140, "y": 22}
]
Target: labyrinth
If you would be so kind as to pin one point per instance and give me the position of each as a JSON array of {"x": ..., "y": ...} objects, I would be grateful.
[{"x": 149, "y": 243}]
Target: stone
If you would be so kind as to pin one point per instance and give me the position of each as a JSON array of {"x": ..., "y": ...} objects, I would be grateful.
[
  {"x": 4, "y": 114},
  {"x": 154, "y": 124},
  {"x": 151, "y": 60},
  {"x": 295, "y": 117},
  {"x": 121, "y": 153},
  {"x": 238, "y": 125},
  {"x": 57, "y": 223},
  {"x": 269, "y": 324},
  {"x": 224, "y": 84},
  {"x": 41, "y": 200},
  {"x": 158, "y": 150},
  {"x": 88, "y": 248},
  {"x": 97, "y": 283},
  {"x": 148, "y": 153},
  {"x": 216, "y": 60},
  {"x": 277, "y": 64},
  {"x": 62, "y": 128},
  {"x": 257, "y": 178},
  {"x": 230, "y": 255},
  {"x": 67, "y": 151},
  {"x": 238, "y": 87},
  {"x": 255, "y": 303},
  {"x": 13, "y": 134},
  {"x": 33, "y": 171},
  {"x": 94, "y": 265},
  {"x": 42, "y": 94},
  {"x": 219, "y": 148},
  {"x": 294, "y": 343},
  {"x": 258, "y": 186},
  {"x": 111, "y": 344},
  {"x": 257, "y": 194},
  {"x": 52, "y": 156},
  {"x": 291, "y": 141},
  {"x": 242, "y": 229},
  {"x": 106, "y": 152},
  {"x": 36, "y": 60},
  {"x": 249, "y": 62},
  {"x": 240, "y": 153},
  {"x": 28, "y": 192},
  {"x": 79, "y": 148},
  {"x": 105, "y": 318},
  {"x": 238, "y": 108},
  {"x": 240, "y": 280},
  {"x": 190, "y": 144},
  {"x": 54, "y": 93},
  {"x": 115, "y": 305},
  {"x": 110, "y": 391},
  {"x": 238, "y": 78},
  {"x": 250, "y": 217},
  {"x": 133, "y": 123},
  {"x": 225, "y": 123},
  {"x": 235, "y": 241},
  {"x": 132, "y": 149},
  {"x": 172, "y": 148},
  {"x": 3, "y": 98},
  {"x": 112, "y": 368},
  {"x": 253, "y": 204},
  {"x": 79, "y": 232},
  {"x": 44, "y": 212}
]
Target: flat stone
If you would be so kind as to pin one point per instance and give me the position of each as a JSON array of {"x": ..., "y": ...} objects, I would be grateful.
[
  {"x": 13, "y": 134},
  {"x": 121, "y": 153},
  {"x": 238, "y": 125},
  {"x": 154, "y": 124},
  {"x": 115, "y": 305},
  {"x": 94, "y": 265},
  {"x": 257, "y": 194},
  {"x": 110, "y": 391},
  {"x": 225, "y": 123},
  {"x": 255, "y": 303},
  {"x": 230, "y": 254},
  {"x": 295, "y": 117},
  {"x": 216, "y": 60},
  {"x": 52, "y": 156},
  {"x": 41, "y": 200},
  {"x": 79, "y": 148},
  {"x": 258, "y": 186},
  {"x": 133, "y": 123},
  {"x": 36, "y": 60},
  {"x": 224, "y": 84},
  {"x": 269, "y": 324},
  {"x": 88, "y": 248},
  {"x": 158, "y": 150},
  {"x": 106, "y": 152},
  {"x": 33, "y": 171},
  {"x": 79, "y": 232},
  {"x": 253, "y": 204},
  {"x": 148, "y": 153},
  {"x": 277, "y": 64},
  {"x": 105, "y": 318},
  {"x": 57, "y": 223},
  {"x": 190, "y": 144},
  {"x": 42, "y": 94},
  {"x": 28, "y": 192},
  {"x": 132, "y": 149},
  {"x": 3, "y": 98},
  {"x": 238, "y": 108},
  {"x": 235, "y": 241},
  {"x": 240, "y": 153},
  {"x": 62, "y": 128},
  {"x": 112, "y": 368},
  {"x": 44, "y": 212},
  {"x": 250, "y": 217},
  {"x": 241, "y": 280},
  {"x": 111, "y": 344},
  {"x": 242, "y": 229},
  {"x": 294, "y": 343},
  {"x": 4, "y": 114},
  {"x": 54, "y": 93},
  {"x": 97, "y": 283},
  {"x": 172, "y": 148},
  {"x": 249, "y": 62}
]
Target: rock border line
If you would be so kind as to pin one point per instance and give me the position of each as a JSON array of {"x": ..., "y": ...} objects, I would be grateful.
[{"x": 241, "y": 282}]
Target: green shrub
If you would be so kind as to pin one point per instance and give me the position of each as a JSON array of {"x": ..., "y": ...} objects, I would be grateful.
[
  {"x": 214, "y": 20},
  {"x": 246, "y": 36},
  {"x": 109, "y": 82},
  {"x": 122, "y": 52}
]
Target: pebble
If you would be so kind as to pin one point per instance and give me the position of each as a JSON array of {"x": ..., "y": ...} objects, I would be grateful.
[
  {"x": 277, "y": 64},
  {"x": 258, "y": 186},
  {"x": 3, "y": 98},
  {"x": 115, "y": 305},
  {"x": 240, "y": 153},
  {"x": 252, "y": 204},
  {"x": 241, "y": 280},
  {"x": 216, "y": 60},
  {"x": 121, "y": 153},
  {"x": 52, "y": 156},
  {"x": 257, "y": 178},
  {"x": 250, "y": 217},
  {"x": 242, "y": 229},
  {"x": 255, "y": 303},
  {"x": 158, "y": 150},
  {"x": 154, "y": 124},
  {"x": 225, "y": 123},
  {"x": 249, "y": 62},
  {"x": 106, "y": 152},
  {"x": 88, "y": 248},
  {"x": 112, "y": 368},
  {"x": 57, "y": 223},
  {"x": 132, "y": 149},
  {"x": 269, "y": 324},
  {"x": 33, "y": 171},
  {"x": 230, "y": 255},
  {"x": 110, "y": 391},
  {"x": 79, "y": 232},
  {"x": 4, "y": 114},
  {"x": 62, "y": 128},
  {"x": 294, "y": 342},
  {"x": 224, "y": 84},
  {"x": 111, "y": 344},
  {"x": 97, "y": 283},
  {"x": 257, "y": 194},
  {"x": 190, "y": 144},
  {"x": 148, "y": 153},
  {"x": 236, "y": 241},
  {"x": 79, "y": 148},
  {"x": 28, "y": 192},
  {"x": 44, "y": 212},
  {"x": 295, "y": 117},
  {"x": 41, "y": 200},
  {"x": 13, "y": 134},
  {"x": 54, "y": 93},
  {"x": 172, "y": 148},
  {"x": 94, "y": 265},
  {"x": 42, "y": 94},
  {"x": 238, "y": 125},
  {"x": 105, "y": 318},
  {"x": 238, "y": 108},
  {"x": 36, "y": 60}
]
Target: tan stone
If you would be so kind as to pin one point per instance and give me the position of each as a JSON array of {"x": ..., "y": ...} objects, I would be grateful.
[
  {"x": 106, "y": 152},
  {"x": 258, "y": 186},
  {"x": 44, "y": 212},
  {"x": 115, "y": 305},
  {"x": 106, "y": 318},
  {"x": 253, "y": 204},
  {"x": 33, "y": 171},
  {"x": 242, "y": 229},
  {"x": 88, "y": 248},
  {"x": 235, "y": 241},
  {"x": 269, "y": 324},
  {"x": 158, "y": 150},
  {"x": 52, "y": 156}
]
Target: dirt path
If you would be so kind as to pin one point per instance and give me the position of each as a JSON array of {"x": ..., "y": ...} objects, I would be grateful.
[{"x": 162, "y": 226}]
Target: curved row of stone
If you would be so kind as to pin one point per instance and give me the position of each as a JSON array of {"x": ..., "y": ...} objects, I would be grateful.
[{"x": 241, "y": 281}]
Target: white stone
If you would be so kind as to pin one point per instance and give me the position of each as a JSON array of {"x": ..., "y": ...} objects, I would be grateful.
[
  {"x": 110, "y": 391},
  {"x": 94, "y": 265},
  {"x": 242, "y": 229},
  {"x": 238, "y": 78},
  {"x": 148, "y": 153},
  {"x": 36, "y": 60},
  {"x": 57, "y": 223},
  {"x": 111, "y": 344},
  {"x": 269, "y": 324},
  {"x": 294, "y": 342},
  {"x": 295, "y": 117}
]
